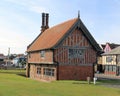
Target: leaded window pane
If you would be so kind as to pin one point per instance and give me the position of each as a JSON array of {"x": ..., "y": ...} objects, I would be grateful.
[{"x": 76, "y": 53}]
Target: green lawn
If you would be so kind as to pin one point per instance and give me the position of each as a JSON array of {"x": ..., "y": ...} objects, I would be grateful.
[{"x": 13, "y": 83}]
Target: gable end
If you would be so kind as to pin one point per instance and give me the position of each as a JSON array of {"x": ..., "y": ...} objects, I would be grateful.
[{"x": 79, "y": 24}]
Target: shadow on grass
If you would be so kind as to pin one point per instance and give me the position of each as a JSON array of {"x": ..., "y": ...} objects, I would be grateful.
[
  {"x": 17, "y": 72},
  {"x": 23, "y": 75}
]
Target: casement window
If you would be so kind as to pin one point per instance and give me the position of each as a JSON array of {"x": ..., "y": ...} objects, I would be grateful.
[
  {"x": 38, "y": 70},
  {"x": 109, "y": 59},
  {"x": 76, "y": 53},
  {"x": 114, "y": 68},
  {"x": 110, "y": 68},
  {"x": 42, "y": 53},
  {"x": 106, "y": 68},
  {"x": 49, "y": 72}
]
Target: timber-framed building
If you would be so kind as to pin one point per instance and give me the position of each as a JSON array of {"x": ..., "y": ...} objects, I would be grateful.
[{"x": 66, "y": 51}]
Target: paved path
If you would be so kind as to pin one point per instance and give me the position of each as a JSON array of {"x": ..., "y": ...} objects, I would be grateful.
[{"x": 103, "y": 76}]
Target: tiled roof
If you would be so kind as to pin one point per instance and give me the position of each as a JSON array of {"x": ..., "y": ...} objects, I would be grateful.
[
  {"x": 51, "y": 36},
  {"x": 114, "y": 51},
  {"x": 112, "y": 45},
  {"x": 103, "y": 46}
]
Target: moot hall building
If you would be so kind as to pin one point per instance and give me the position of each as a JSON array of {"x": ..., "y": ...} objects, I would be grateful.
[{"x": 66, "y": 51}]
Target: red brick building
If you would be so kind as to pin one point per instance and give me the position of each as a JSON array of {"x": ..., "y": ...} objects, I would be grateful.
[{"x": 66, "y": 51}]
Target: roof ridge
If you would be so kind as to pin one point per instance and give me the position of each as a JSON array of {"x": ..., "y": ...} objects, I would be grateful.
[{"x": 62, "y": 23}]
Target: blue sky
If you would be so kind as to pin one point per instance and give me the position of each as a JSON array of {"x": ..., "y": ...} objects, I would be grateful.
[{"x": 20, "y": 20}]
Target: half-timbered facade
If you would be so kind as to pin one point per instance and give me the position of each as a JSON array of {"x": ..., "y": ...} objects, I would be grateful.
[
  {"x": 66, "y": 51},
  {"x": 111, "y": 62},
  {"x": 104, "y": 59}
]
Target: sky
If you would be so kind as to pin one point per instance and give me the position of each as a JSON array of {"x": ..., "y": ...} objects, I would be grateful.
[{"x": 20, "y": 20}]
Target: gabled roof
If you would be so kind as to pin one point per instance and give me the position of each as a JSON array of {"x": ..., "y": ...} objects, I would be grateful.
[
  {"x": 113, "y": 45},
  {"x": 51, "y": 37},
  {"x": 103, "y": 46},
  {"x": 115, "y": 51}
]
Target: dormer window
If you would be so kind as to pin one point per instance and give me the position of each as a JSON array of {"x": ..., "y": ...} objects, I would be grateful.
[{"x": 42, "y": 54}]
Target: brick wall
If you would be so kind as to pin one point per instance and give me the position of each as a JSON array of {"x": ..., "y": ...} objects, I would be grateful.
[
  {"x": 110, "y": 73},
  {"x": 41, "y": 77},
  {"x": 75, "y": 72},
  {"x": 36, "y": 58}
]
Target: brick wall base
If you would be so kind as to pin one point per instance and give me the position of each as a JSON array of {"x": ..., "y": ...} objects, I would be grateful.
[
  {"x": 110, "y": 73},
  {"x": 75, "y": 72}
]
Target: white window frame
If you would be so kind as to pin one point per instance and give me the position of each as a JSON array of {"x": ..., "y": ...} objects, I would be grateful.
[{"x": 49, "y": 71}]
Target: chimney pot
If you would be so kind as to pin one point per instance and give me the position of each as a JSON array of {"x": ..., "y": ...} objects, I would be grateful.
[{"x": 45, "y": 18}]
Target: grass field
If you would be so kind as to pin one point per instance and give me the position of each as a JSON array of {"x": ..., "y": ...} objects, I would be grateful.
[{"x": 13, "y": 83}]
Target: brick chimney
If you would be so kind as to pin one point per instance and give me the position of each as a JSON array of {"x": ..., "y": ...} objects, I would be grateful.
[{"x": 45, "y": 18}]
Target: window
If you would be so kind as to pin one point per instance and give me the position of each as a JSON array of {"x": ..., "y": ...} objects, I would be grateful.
[
  {"x": 49, "y": 72},
  {"x": 38, "y": 70},
  {"x": 106, "y": 68},
  {"x": 109, "y": 59},
  {"x": 114, "y": 68},
  {"x": 42, "y": 53},
  {"x": 76, "y": 53},
  {"x": 110, "y": 68}
]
